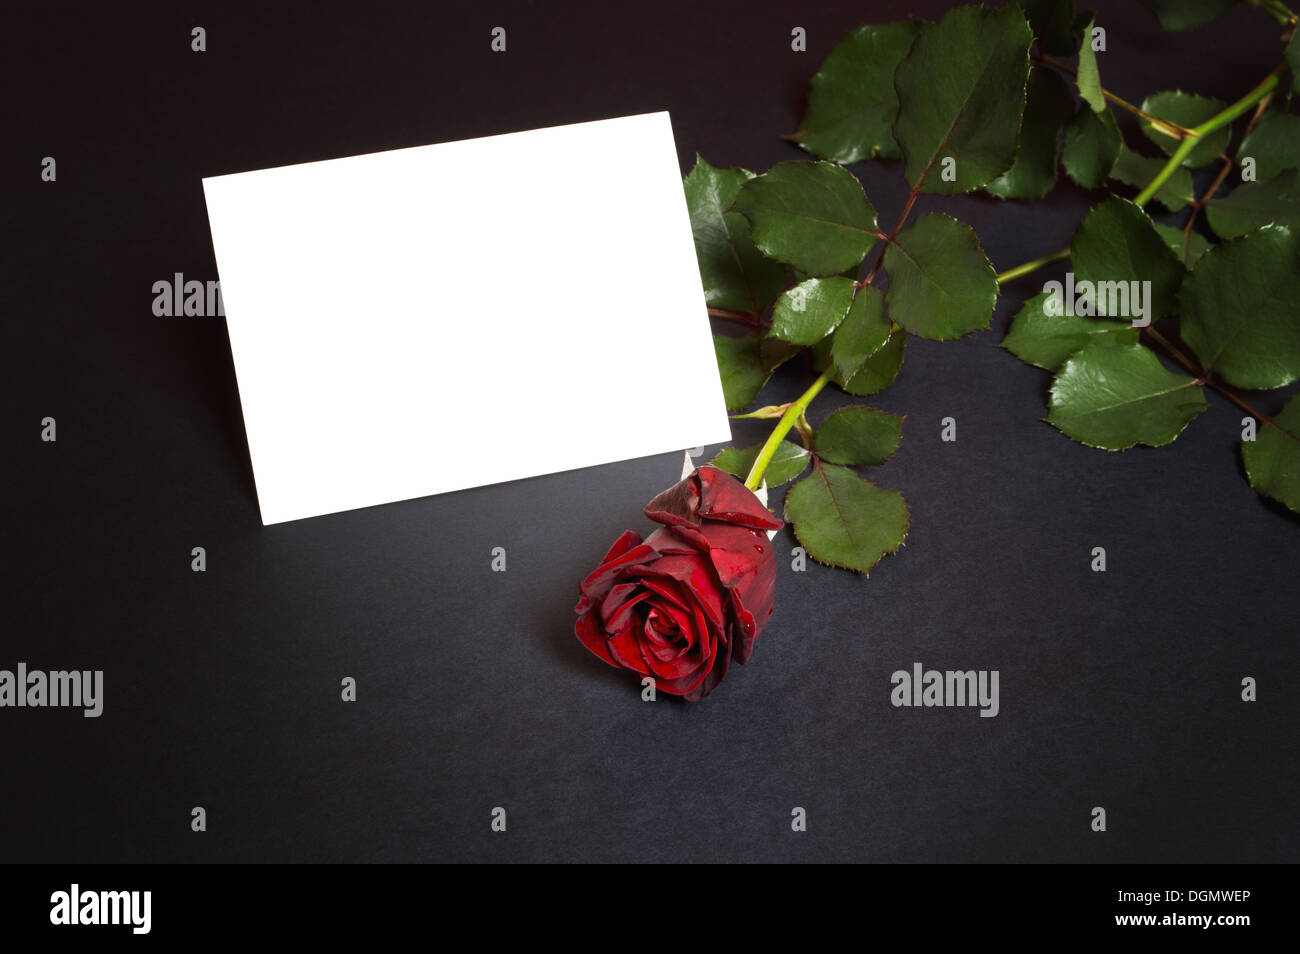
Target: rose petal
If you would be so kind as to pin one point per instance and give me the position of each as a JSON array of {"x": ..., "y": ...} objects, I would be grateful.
[
  {"x": 745, "y": 562},
  {"x": 628, "y": 540},
  {"x": 724, "y": 498},
  {"x": 679, "y": 539},
  {"x": 712, "y": 679},
  {"x": 699, "y": 578},
  {"x": 737, "y": 552},
  {"x": 678, "y": 506},
  {"x": 742, "y": 643},
  {"x": 619, "y": 604},
  {"x": 659, "y": 664},
  {"x": 669, "y": 589},
  {"x": 591, "y": 635},
  {"x": 623, "y": 646},
  {"x": 598, "y": 583},
  {"x": 756, "y": 591},
  {"x": 689, "y": 681},
  {"x": 681, "y": 672},
  {"x": 670, "y": 634},
  {"x": 681, "y": 604}
]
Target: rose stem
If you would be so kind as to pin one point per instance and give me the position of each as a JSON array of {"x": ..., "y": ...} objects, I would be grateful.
[
  {"x": 792, "y": 414},
  {"x": 1013, "y": 273},
  {"x": 795, "y": 411},
  {"x": 1175, "y": 131},
  {"x": 1217, "y": 121},
  {"x": 1202, "y": 375},
  {"x": 1260, "y": 92}
]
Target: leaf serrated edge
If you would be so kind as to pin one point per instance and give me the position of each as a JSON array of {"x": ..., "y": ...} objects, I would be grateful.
[
  {"x": 993, "y": 272},
  {"x": 919, "y": 185},
  {"x": 901, "y": 418},
  {"x": 1250, "y": 475},
  {"x": 1051, "y": 396},
  {"x": 844, "y": 384},
  {"x": 902, "y": 541}
]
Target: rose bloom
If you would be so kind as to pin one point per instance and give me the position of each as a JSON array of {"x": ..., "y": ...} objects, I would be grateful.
[{"x": 680, "y": 605}]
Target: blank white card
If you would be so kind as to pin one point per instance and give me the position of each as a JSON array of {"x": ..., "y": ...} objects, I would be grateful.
[{"x": 429, "y": 319}]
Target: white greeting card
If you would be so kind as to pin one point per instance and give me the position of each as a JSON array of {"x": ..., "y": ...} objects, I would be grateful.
[{"x": 441, "y": 317}]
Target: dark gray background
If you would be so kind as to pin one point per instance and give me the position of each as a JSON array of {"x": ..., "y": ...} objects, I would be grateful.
[{"x": 222, "y": 689}]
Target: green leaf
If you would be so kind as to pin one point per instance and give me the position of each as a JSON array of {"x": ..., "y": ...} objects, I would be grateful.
[
  {"x": 809, "y": 311},
  {"x": 858, "y": 435},
  {"x": 1053, "y": 23},
  {"x": 735, "y": 276},
  {"x": 961, "y": 92},
  {"x": 941, "y": 286},
  {"x": 1239, "y": 313},
  {"x": 851, "y": 100},
  {"x": 1186, "y": 14},
  {"x": 813, "y": 215},
  {"x": 1092, "y": 144},
  {"x": 1255, "y": 204},
  {"x": 879, "y": 370},
  {"x": 1188, "y": 248},
  {"x": 851, "y": 273},
  {"x": 1274, "y": 144},
  {"x": 1272, "y": 459},
  {"x": 1047, "y": 340},
  {"x": 745, "y": 363},
  {"x": 862, "y": 332},
  {"x": 843, "y": 520},
  {"x": 1048, "y": 105},
  {"x": 787, "y": 463},
  {"x": 1115, "y": 396},
  {"x": 1186, "y": 110},
  {"x": 1088, "y": 77},
  {"x": 1136, "y": 170},
  {"x": 1117, "y": 243}
]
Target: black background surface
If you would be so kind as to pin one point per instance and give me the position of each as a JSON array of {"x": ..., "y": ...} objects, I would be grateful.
[{"x": 1119, "y": 689}]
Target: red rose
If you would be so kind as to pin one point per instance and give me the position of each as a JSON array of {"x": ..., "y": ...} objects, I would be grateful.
[{"x": 680, "y": 605}]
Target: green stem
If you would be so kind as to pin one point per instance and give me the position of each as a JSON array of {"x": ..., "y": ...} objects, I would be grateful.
[
  {"x": 805, "y": 431},
  {"x": 1171, "y": 166},
  {"x": 1011, "y": 274},
  {"x": 1203, "y": 375},
  {"x": 792, "y": 414},
  {"x": 1176, "y": 131},
  {"x": 1216, "y": 121},
  {"x": 1176, "y": 354}
]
